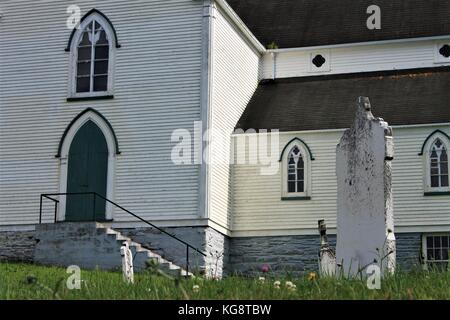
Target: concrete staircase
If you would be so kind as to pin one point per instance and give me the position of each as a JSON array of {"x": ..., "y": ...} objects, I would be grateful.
[{"x": 91, "y": 245}]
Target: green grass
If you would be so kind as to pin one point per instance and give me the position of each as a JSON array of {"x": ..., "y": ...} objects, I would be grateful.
[{"x": 24, "y": 281}]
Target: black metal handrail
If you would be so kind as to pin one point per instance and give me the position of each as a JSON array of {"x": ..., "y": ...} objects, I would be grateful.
[{"x": 95, "y": 195}]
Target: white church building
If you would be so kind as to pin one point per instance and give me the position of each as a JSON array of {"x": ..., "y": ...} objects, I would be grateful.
[{"x": 92, "y": 116}]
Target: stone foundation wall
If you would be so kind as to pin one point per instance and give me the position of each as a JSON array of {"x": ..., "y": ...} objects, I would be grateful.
[
  {"x": 76, "y": 243},
  {"x": 299, "y": 254},
  {"x": 17, "y": 246},
  {"x": 284, "y": 254},
  {"x": 245, "y": 255},
  {"x": 409, "y": 250},
  {"x": 218, "y": 249}
]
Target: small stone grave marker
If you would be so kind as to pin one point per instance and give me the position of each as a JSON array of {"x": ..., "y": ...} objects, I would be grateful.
[{"x": 127, "y": 263}]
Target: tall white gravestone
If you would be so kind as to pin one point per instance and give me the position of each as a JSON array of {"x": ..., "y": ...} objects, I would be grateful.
[{"x": 365, "y": 219}]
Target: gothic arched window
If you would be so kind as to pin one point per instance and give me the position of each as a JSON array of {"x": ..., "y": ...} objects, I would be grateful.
[
  {"x": 92, "y": 46},
  {"x": 435, "y": 153},
  {"x": 92, "y": 59},
  {"x": 439, "y": 167},
  {"x": 296, "y": 170}
]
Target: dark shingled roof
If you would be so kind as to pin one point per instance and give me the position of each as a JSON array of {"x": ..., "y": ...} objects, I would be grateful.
[
  {"x": 407, "y": 97},
  {"x": 303, "y": 23}
]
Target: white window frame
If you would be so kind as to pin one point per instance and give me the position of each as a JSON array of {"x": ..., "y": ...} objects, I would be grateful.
[
  {"x": 427, "y": 165},
  {"x": 424, "y": 248},
  {"x": 74, "y": 58},
  {"x": 306, "y": 169}
]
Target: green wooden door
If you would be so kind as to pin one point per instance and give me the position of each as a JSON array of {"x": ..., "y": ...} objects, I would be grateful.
[{"x": 87, "y": 172}]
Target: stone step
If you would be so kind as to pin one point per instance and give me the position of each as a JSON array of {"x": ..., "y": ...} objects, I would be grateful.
[
  {"x": 142, "y": 256},
  {"x": 90, "y": 245}
]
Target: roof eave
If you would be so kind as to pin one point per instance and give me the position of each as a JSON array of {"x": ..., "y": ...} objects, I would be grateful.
[
  {"x": 241, "y": 25},
  {"x": 355, "y": 44}
]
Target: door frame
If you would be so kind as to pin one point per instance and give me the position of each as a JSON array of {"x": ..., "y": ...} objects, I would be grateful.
[{"x": 64, "y": 159}]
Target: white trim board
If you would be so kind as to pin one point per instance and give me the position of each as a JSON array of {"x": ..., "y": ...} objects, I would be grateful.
[
  {"x": 139, "y": 224},
  {"x": 339, "y": 130},
  {"x": 354, "y": 44},
  {"x": 240, "y": 233},
  {"x": 205, "y": 101},
  {"x": 332, "y": 231},
  {"x": 245, "y": 31},
  {"x": 356, "y": 58},
  {"x": 18, "y": 228}
]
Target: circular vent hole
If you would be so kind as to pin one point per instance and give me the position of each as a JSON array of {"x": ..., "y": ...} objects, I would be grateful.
[
  {"x": 318, "y": 60},
  {"x": 445, "y": 50}
]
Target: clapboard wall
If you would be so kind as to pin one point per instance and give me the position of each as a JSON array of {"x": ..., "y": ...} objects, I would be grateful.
[
  {"x": 235, "y": 72},
  {"x": 258, "y": 209},
  {"x": 157, "y": 89}
]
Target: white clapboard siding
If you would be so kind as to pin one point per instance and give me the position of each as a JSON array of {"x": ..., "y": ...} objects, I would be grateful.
[
  {"x": 157, "y": 90},
  {"x": 235, "y": 78},
  {"x": 355, "y": 58},
  {"x": 259, "y": 210}
]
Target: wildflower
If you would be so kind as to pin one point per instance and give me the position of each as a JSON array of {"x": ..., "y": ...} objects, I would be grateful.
[
  {"x": 312, "y": 276},
  {"x": 290, "y": 286},
  {"x": 261, "y": 279},
  {"x": 196, "y": 288},
  {"x": 277, "y": 284},
  {"x": 265, "y": 268}
]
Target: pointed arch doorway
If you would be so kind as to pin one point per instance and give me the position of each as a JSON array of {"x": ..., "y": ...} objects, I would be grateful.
[
  {"x": 87, "y": 153},
  {"x": 87, "y": 172}
]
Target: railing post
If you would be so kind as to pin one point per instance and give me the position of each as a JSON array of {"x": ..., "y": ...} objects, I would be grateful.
[
  {"x": 93, "y": 209},
  {"x": 187, "y": 260},
  {"x": 40, "y": 211}
]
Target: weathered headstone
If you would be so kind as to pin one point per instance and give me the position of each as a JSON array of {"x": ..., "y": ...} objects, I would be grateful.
[
  {"x": 327, "y": 256},
  {"x": 365, "y": 221},
  {"x": 127, "y": 263}
]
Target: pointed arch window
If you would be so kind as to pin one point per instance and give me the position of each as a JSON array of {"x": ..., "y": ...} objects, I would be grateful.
[
  {"x": 92, "y": 59},
  {"x": 92, "y": 46},
  {"x": 435, "y": 151},
  {"x": 296, "y": 171},
  {"x": 439, "y": 165}
]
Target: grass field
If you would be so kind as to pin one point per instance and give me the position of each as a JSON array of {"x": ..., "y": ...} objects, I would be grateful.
[{"x": 23, "y": 281}]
